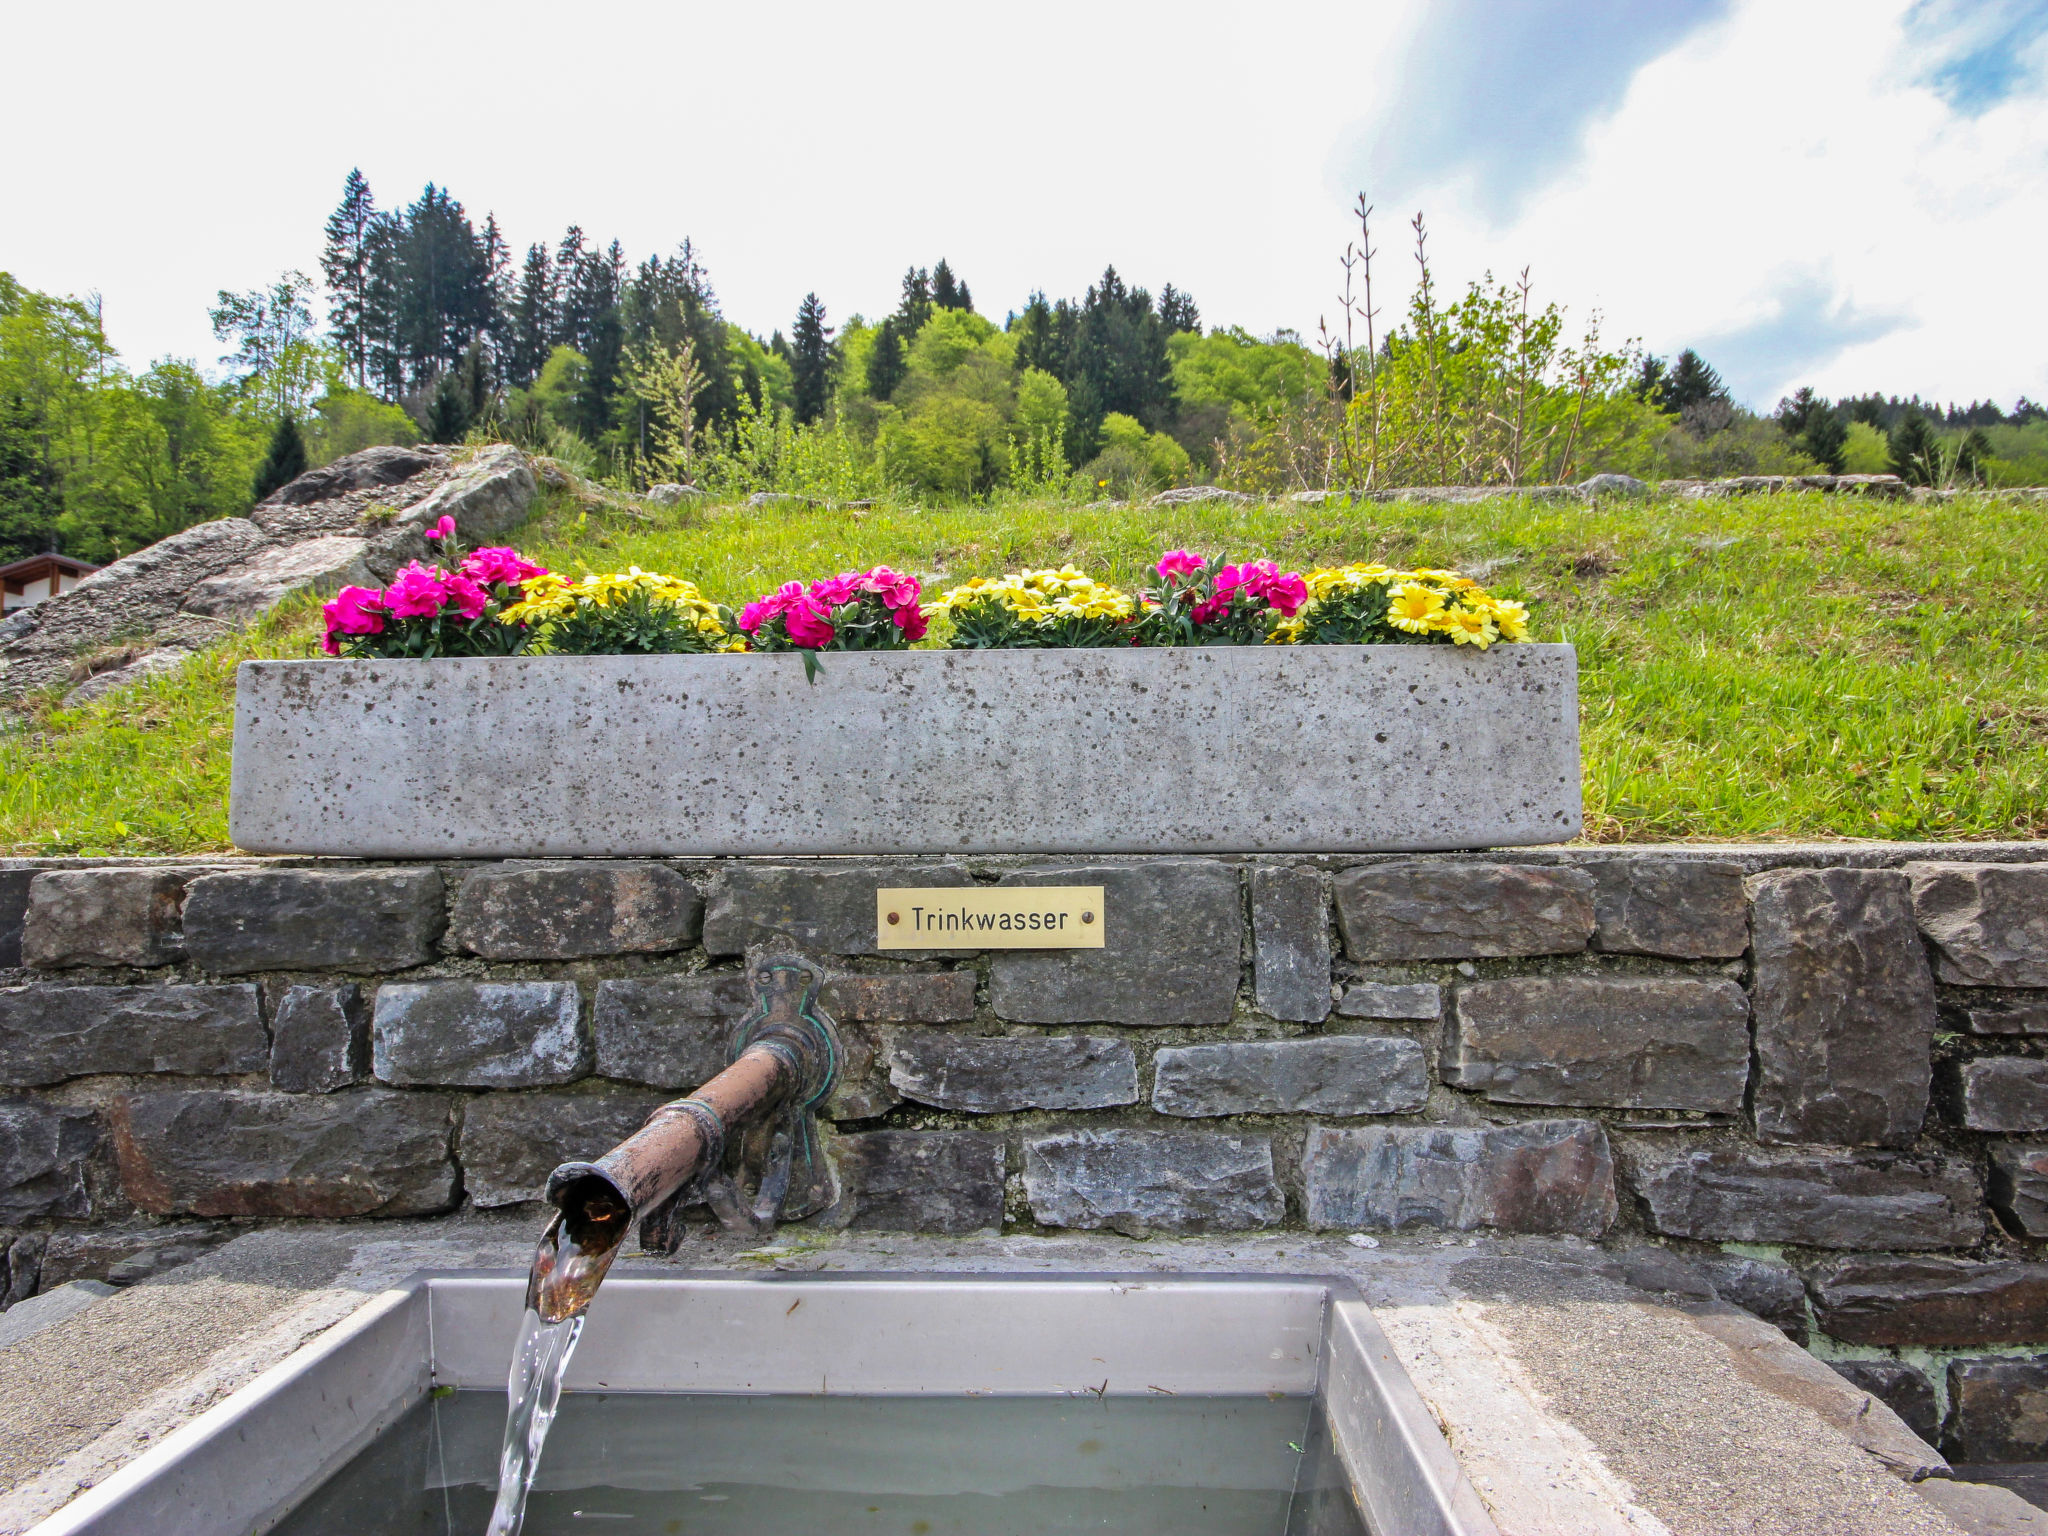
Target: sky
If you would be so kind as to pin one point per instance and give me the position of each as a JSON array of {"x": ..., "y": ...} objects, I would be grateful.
[{"x": 1843, "y": 193}]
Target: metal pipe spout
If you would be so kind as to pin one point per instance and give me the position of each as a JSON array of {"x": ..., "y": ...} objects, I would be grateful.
[{"x": 758, "y": 1112}]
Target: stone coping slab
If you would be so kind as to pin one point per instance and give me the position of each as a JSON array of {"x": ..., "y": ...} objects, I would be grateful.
[{"x": 1251, "y": 749}]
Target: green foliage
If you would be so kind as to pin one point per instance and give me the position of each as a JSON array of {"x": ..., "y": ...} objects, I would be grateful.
[
  {"x": 640, "y": 624},
  {"x": 810, "y": 361},
  {"x": 949, "y": 445},
  {"x": 1234, "y": 369},
  {"x": 1134, "y": 461},
  {"x": 348, "y": 420},
  {"x": 286, "y": 459},
  {"x": 1865, "y": 450},
  {"x": 279, "y": 363}
]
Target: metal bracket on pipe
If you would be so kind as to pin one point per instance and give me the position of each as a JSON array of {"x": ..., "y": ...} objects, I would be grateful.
[{"x": 774, "y": 1169}]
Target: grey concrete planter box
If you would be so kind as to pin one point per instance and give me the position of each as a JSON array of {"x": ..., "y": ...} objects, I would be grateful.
[{"x": 1311, "y": 748}]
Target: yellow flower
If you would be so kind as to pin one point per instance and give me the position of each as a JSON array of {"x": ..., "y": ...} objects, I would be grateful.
[
  {"x": 1513, "y": 619},
  {"x": 1415, "y": 607},
  {"x": 1470, "y": 626},
  {"x": 1286, "y": 632}
]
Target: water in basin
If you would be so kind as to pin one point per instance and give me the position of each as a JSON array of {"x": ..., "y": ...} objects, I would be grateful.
[{"x": 732, "y": 1465}]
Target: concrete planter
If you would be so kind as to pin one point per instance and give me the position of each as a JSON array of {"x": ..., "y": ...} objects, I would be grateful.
[{"x": 1316, "y": 748}]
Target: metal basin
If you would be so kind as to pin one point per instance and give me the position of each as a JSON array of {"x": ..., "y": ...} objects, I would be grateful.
[{"x": 243, "y": 1466}]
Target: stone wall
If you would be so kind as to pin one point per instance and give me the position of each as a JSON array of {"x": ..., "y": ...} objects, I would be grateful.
[{"x": 1811, "y": 1079}]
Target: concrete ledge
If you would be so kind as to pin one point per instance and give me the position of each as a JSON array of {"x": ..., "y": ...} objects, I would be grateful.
[{"x": 1280, "y": 749}]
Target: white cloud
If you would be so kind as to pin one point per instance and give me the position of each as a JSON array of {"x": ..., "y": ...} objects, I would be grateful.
[{"x": 163, "y": 153}]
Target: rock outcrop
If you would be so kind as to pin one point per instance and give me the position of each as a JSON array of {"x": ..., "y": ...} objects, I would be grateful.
[{"x": 353, "y": 521}]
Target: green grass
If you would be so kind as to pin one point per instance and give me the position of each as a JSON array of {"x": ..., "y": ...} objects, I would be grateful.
[{"x": 1767, "y": 667}]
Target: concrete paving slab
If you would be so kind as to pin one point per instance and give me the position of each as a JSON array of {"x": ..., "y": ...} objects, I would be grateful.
[{"x": 1577, "y": 1402}]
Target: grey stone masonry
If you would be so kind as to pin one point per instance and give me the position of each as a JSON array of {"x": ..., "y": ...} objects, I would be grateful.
[
  {"x": 1900, "y": 1387},
  {"x": 43, "y": 1151},
  {"x": 1930, "y": 1302},
  {"x": 1998, "y": 1410},
  {"x": 1290, "y": 944},
  {"x": 1534, "y": 1176},
  {"x": 14, "y": 884},
  {"x": 50, "y": 1033},
  {"x": 1816, "y": 1199},
  {"x": 367, "y": 1152},
  {"x": 830, "y": 910},
  {"x": 675, "y": 1031},
  {"x": 1770, "y": 1288},
  {"x": 1136, "y": 1181},
  {"x": 1844, "y": 1008},
  {"x": 320, "y": 1039},
  {"x": 104, "y": 917},
  {"x": 1428, "y": 911},
  {"x": 670, "y": 1031},
  {"x": 1682, "y": 909},
  {"x": 479, "y": 1034},
  {"x": 2019, "y": 1186},
  {"x": 1172, "y": 942},
  {"x": 359, "y": 920},
  {"x": 1382, "y": 1000},
  {"x": 568, "y": 911},
  {"x": 1616, "y": 1042},
  {"x": 2018, "y": 1013},
  {"x": 1988, "y": 923},
  {"x": 1330, "y": 1075},
  {"x": 924, "y": 997},
  {"x": 2003, "y": 1093},
  {"x": 511, "y": 1142},
  {"x": 922, "y": 1181},
  {"x": 980, "y": 1075}
]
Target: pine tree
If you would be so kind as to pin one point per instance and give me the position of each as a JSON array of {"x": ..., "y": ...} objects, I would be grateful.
[
  {"x": 1912, "y": 445},
  {"x": 345, "y": 262},
  {"x": 448, "y": 412},
  {"x": 916, "y": 306},
  {"x": 1033, "y": 330},
  {"x": 286, "y": 460},
  {"x": 811, "y": 359},
  {"x": 949, "y": 292},
  {"x": 1691, "y": 383},
  {"x": 531, "y": 330},
  {"x": 1651, "y": 383},
  {"x": 1795, "y": 414},
  {"x": 886, "y": 367},
  {"x": 1177, "y": 311},
  {"x": 1973, "y": 456},
  {"x": 1825, "y": 438}
]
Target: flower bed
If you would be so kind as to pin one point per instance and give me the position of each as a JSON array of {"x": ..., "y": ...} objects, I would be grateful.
[
  {"x": 495, "y": 602},
  {"x": 497, "y": 709}
]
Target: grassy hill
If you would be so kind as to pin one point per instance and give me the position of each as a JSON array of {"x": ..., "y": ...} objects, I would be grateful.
[{"x": 1794, "y": 666}]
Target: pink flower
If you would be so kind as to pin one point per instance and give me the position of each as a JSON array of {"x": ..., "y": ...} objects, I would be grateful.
[
  {"x": 1215, "y": 607},
  {"x": 417, "y": 592},
  {"x": 1179, "y": 562},
  {"x": 834, "y": 591},
  {"x": 1287, "y": 593},
  {"x": 808, "y": 626},
  {"x": 352, "y": 611},
  {"x": 469, "y": 598},
  {"x": 500, "y": 565},
  {"x": 910, "y": 619},
  {"x": 753, "y": 615},
  {"x": 444, "y": 529}
]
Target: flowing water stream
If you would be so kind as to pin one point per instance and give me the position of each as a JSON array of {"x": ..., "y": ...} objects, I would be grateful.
[{"x": 534, "y": 1392}]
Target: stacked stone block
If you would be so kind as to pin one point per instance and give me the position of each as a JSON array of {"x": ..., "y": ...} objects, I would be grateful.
[{"x": 1838, "y": 1057}]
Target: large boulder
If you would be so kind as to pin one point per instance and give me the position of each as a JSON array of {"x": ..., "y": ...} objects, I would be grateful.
[{"x": 352, "y": 522}]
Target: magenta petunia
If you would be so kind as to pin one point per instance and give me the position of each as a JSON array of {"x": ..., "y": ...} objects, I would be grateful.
[
  {"x": 444, "y": 529},
  {"x": 1178, "y": 562},
  {"x": 352, "y": 611},
  {"x": 808, "y": 626},
  {"x": 500, "y": 566},
  {"x": 417, "y": 592},
  {"x": 469, "y": 599}
]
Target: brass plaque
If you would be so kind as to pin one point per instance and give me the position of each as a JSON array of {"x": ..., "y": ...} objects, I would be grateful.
[{"x": 990, "y": 917}]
